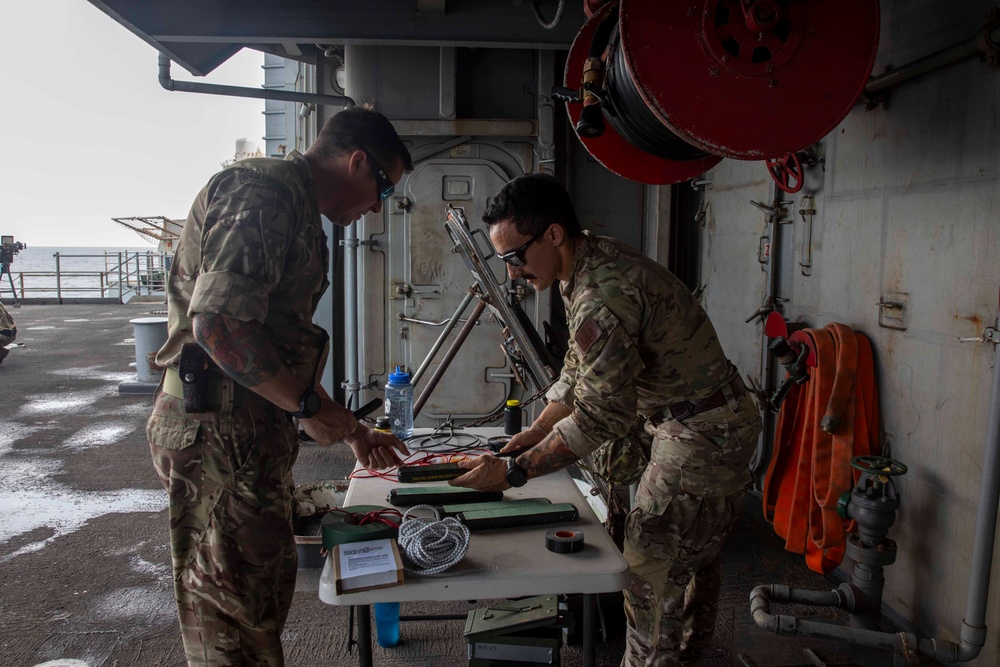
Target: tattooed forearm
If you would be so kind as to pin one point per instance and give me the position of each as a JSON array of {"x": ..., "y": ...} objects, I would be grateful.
[
  {"x": 240, "y": 348},
  {"x": 549, "y": 455}
]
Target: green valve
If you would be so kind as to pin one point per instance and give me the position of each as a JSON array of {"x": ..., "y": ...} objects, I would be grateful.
[{"x": 842, "y": 502}]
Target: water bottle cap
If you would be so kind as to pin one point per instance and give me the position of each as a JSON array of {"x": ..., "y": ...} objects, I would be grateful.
[
  {"x": 399, "y": 377},
  {"x": 513, "y": 403}
]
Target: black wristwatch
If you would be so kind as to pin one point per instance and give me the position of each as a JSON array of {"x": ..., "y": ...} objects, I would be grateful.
[
  {"x": 516, "y": 476},
  {"x": 309, "y": 404}
]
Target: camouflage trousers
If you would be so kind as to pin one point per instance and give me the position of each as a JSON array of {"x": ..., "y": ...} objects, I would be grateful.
[
  {"x": 234, "y": 558},
  {"x": 688, "y": 500}
]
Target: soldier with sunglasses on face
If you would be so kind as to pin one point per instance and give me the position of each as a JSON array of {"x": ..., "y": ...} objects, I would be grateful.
[
  {"x": 242, "y": 358},
  {"x": 643, "y": 350}
]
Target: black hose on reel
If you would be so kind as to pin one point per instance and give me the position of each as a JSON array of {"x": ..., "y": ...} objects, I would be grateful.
[{"x": 632, "y": 118}]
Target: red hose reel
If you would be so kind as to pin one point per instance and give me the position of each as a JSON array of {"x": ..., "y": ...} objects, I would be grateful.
[{"x": 743, "y": 79}]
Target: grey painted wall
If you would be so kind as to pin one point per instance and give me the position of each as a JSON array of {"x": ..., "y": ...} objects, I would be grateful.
[{"x": 908, "y": 203}]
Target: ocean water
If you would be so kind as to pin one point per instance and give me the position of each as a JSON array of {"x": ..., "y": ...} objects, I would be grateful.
[{"x": 82, "y": 271}]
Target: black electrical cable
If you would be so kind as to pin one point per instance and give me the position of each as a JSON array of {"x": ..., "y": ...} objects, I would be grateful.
[
  {"x": 548, "y": 25},
  {"x": 444, "y": 440},
  {"x": 631, "y": 117}
]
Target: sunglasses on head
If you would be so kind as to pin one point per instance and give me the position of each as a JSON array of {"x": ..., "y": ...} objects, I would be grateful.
[
  {"x": 516, "y": 257},
  {"x": 383, "y": 184}
]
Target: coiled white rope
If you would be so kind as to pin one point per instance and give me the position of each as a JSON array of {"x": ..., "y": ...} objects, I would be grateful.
[{"x": 431, "y": 546}]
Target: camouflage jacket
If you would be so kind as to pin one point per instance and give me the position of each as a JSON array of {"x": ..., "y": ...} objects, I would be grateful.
[
  {"x": 8, "y": 330},
  {"x": 253, "y": 248},
  {"x": 6, "y": 321},
  {"x": 639, "y": 342}
]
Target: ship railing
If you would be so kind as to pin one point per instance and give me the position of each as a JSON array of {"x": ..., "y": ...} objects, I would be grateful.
[{"x": 125, "y": 276}]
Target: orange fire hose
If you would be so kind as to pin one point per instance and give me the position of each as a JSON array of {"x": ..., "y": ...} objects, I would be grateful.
[{"x": 822, "y": 423}]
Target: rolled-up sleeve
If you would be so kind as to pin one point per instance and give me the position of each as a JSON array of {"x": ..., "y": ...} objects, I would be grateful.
[
  {"x": 243, "y": 254},
  {"x": 563, "y": 388},
  {"x": 604, "y": 395},
  {"x": 230, "y": 294}
]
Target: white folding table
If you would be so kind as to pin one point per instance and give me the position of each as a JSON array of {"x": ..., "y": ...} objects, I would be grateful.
[{"x": 501, "y": 563}]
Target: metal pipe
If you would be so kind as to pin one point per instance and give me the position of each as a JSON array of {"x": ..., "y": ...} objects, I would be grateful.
[
  {"x": 782, "y": 593},
  {"x": 973, "y": 633},
  {"x": 942, "y": 58},
  {"x": 449, "y": 327},
  {"x": 448, "y": 357},
  {"x": 350, "y": 244},
  {"x": 240, "y": 91},
  {"x": 590, "y": 602},
  {"x": 364, "y": 635},
  {"x": 768, "y": 367},
  {"x": 58, "y": 280},
  {"x": 760, "y": 610}
]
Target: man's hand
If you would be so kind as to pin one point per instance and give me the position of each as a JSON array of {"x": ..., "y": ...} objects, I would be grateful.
[
  {"x": 333, "y": 422},
  {"x": 523, "y": 440},
  {"x": 373, "y": 449},
  {"x": 376, "y": 449},
  {"x": 486, "y": 473}
]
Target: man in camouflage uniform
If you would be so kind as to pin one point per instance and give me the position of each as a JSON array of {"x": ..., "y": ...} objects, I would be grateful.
[
  {"x": 8, "y": 332},
  {"x": 640, "y": 345},
  {"x": 249, "y": 270}
]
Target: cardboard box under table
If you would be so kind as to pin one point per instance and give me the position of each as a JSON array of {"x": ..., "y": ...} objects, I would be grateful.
[{"x": 501, "y": 563}]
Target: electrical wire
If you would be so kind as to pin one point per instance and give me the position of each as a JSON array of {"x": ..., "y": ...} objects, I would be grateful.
[
  {"x": 431, "y": 546},
  {"x": 440, "y": 440},
  {"x": 548, "y": 25}
]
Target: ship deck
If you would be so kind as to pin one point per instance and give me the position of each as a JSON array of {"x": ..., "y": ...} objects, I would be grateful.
[{"x": 84, "y": 557}]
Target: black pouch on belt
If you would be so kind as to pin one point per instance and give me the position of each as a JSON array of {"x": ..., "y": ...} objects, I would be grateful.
[{"x": 193, "y": 370}]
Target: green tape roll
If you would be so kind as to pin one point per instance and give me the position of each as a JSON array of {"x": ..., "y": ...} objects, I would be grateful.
[{"x": 341, "y": 528}]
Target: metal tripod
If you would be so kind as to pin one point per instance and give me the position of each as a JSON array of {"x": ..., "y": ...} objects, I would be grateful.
[
  {"x": 5, "y": 268},
  {"x": 528, "y": 358}
]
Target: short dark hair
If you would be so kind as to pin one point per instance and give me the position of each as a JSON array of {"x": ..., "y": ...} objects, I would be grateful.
[
  {"x": 361, "y": 127},
  {"x": 533, "y": 202}
]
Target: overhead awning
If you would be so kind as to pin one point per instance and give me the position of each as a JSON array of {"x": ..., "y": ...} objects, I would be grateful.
[{"x": 200, "y": 35}]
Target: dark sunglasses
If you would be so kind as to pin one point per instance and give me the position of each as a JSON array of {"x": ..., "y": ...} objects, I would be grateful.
[
  {"x": 516, "y": 257},
  {"x": 383, "y": 184}
]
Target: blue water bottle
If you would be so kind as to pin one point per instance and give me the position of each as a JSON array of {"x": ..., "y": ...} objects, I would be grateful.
[
  {"x": 399, "y": 403},
  {"x": 387, "y": 623}
]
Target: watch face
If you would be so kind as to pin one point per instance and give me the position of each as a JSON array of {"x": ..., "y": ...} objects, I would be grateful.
[
  {"x": 309, "y": 404},
  {"x": 515, "y": 475}
]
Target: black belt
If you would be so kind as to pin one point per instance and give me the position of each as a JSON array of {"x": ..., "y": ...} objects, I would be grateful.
[
  {"x": 686, "y": 409},
  {"x": 241, "y": 395}
]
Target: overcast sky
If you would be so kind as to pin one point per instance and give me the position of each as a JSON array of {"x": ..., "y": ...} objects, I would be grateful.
[{"x": 88, "y": 132}]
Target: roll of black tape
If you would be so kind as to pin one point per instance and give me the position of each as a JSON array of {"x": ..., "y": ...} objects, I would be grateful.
[
  {"x": 341, "y": 526},
  {"x": 564, "y": 541},
  {"x": 497, "y": 442}
]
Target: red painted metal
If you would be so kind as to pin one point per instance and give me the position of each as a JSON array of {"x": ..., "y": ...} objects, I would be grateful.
[
  {"x": 731, "y": 91},
  {"x": 611, "y": 149},
  {"x": 775, "y": 325},
  {"x": 591, "y": 7},
  {"x": 786, "y": 172}
]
